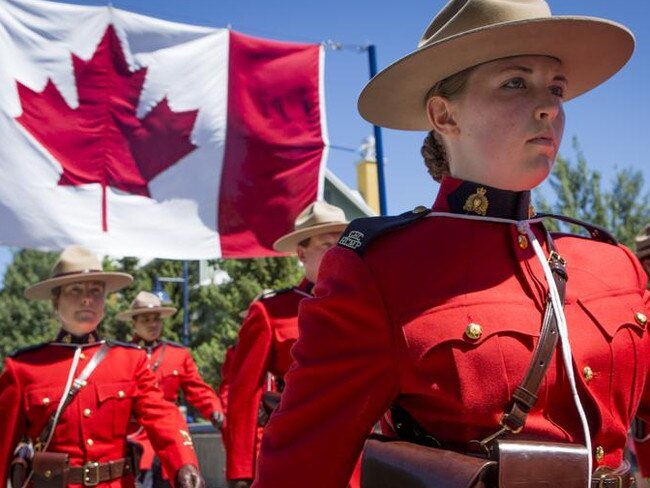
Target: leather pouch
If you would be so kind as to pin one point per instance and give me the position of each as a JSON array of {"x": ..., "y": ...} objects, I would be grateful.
[
  {"x": 388, "y": 463},
  {"x": 18, "y": 471},
  {"x": 50, "y": 469},
  {"x": 134, "y": 452},
  {"x": 527, "y": 464}
]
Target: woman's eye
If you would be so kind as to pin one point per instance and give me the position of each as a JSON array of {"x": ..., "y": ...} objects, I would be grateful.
[
  {"x": 558, "y": 91},
  {"x": 516, "y": 83}
]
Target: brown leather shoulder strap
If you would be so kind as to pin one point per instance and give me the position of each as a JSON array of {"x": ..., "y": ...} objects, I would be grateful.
[{"x": 525, "y": 395}]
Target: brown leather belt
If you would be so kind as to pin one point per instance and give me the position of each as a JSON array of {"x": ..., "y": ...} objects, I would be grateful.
[
  {"x": 612, "y": 481},
  {"x": 92, "y": 473}
]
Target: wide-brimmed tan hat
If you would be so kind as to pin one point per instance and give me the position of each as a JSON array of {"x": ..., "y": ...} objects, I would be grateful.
[
  {"x": 317, "y": 218},
  {"x": 75, "y": 264},
  {"x": 467, "y": 33},
  {"x": 642, "y": 243},
  {"x": 145, "y": 302}
]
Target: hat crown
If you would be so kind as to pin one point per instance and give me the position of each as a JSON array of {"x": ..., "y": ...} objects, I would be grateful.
[
  {"x": 460, "y": 16},
  {"x": 145, "y": 300},
  {"x": 76, "y": 259},
  {"x": 319, "y": 213}
]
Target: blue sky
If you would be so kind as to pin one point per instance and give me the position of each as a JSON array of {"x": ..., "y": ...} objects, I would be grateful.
[{"x": 611, "y": 122}]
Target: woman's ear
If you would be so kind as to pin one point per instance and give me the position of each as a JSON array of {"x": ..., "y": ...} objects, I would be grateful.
[
  {"x": 441, "y": 115},
  {"x": 300, "y": 252}
]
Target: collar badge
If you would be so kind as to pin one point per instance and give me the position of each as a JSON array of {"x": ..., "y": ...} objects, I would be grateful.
[{"x": 477, "y": 202}]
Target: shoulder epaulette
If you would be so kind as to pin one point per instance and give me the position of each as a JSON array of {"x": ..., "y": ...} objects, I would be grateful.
[
  {"x": 172, "y": 343},
  {"x": 596, "y": 232},
  {"x": 28, "y": 349},
  {"x": 361, "y": 232},
  {"x": 115, "y": 343}
]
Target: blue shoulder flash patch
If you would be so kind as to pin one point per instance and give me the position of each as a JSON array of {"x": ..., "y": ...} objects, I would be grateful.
[{"x": 361, "y": 232}]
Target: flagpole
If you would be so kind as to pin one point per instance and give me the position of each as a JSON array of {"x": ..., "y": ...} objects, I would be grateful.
[{"x": 379, "y": 146}]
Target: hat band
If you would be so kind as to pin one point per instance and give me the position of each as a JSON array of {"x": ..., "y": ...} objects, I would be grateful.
[{"x": 85, "y": 271}]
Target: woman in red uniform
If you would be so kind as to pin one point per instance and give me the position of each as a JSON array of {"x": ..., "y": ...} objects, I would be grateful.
[
  {"x": 91, "y": 428},
  {"x": 438, "y": 311},
  {"x": 173, "y": 366}
]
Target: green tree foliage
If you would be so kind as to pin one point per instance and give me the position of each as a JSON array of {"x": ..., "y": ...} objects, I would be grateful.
[
  {"x": 23, "y": 322},
  {"x": 623, "y": 210},
  {"x": 214, "y": 308}
]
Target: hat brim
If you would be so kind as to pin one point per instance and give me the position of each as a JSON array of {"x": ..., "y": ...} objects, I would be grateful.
[
  {"x": 288, "y": 242},
  {"x": 129, "y": 314},
  {"x": 591, "y": 50},
  {"x": 112, "y": 282}
]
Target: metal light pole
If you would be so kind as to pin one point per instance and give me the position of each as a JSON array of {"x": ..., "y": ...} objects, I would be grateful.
[
  {"x": 379, "y": 146},
  {"x": 164, "y": 297}
]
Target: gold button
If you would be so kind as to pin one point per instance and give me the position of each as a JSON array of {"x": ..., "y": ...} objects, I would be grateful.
[
  {"x": 120, "y": 394},
  {"x": 600, "y": 453},
  {"x": 90, "y": 442},
  {"x": 640, "y": 318},
  {"x": 87, "y": 412},
  {"x": 175, "y": 372},
  {"x": 46, "y": 401},
  {"x": 419, "y": 209},
  {"x": 47, "y": 473},
  {"x": 82, "y": 356},
  {"x": 523, "y": 241},
  {"x": 588, "y": 373},
  {"x": 473, "y": 330}
]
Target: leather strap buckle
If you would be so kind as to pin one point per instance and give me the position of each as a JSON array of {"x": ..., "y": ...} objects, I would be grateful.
[
  {"x": 602, "y": 482},
  {"x": 555, "y": 256},
  {"x": 502, "y": 423},
  {"x": 91, "y": 474}
]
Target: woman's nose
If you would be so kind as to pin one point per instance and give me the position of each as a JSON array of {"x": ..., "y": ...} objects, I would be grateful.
[{"x": 549, "y": 107}]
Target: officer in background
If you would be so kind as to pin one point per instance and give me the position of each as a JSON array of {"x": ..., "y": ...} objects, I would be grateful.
[
  {"x": 73, "y": 397},
  {"x": 267, "y": 334},
  {"x": 174, "y": 369}
]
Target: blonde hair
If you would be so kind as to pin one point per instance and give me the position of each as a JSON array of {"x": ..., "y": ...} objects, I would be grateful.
[{"x": 433, "y": 150}]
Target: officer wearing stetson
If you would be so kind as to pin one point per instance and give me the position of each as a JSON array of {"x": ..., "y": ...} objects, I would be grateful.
[
  {"x": 436, "y": 313},
  {"x": 108, "y": 383},
  {"x": 173, "y": 366},
  {"x": 267, "y": 334}
]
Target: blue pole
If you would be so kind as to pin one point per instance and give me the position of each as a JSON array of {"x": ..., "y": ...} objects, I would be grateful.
[
  {"x": 379, "y": 146},
  {"x": 186, "y": 301}
]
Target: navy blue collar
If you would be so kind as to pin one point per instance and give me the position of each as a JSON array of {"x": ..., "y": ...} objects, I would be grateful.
[
  {"x": 467, "y": 198},
  {"x": 65, "y": 337}
]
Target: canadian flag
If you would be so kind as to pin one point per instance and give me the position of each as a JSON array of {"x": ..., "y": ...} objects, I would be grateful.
[{"x": 137, "y": 136}]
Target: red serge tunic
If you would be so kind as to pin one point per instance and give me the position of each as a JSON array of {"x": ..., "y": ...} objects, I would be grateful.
[
  {"x": 389, "y": 322},
  {"x": 175, "y": 369},
  {"x": 93, "y": 427},
  {"x": 265, "y": 340}
]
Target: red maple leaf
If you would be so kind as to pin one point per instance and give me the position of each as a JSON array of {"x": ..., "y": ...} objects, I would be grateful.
[{"x": 102, "y": 141}]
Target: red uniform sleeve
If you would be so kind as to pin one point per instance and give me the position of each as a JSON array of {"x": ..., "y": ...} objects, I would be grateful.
[
  {"x": 197, "y": 392},
  {"x": 12, "y": 419},
  {"x": 226, "y": 372},
  {"x": 344, "y": 376},
  {"x": 249, "y": 368},
  {"x": 163, "y": 423}
]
